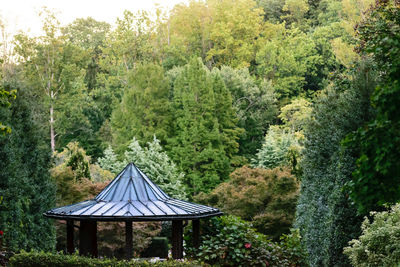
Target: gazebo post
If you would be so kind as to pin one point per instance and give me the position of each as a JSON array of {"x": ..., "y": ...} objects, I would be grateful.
[
  {"x": 128, "y": 240},
  {"x": 196, "y": 233},
  {"x": 177, "y": 239},
  {"x": 88, "y": 238},
  {"x": 70, "y": 236}
]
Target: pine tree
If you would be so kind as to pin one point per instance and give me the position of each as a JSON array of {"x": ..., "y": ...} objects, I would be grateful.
[
  {"x": 144, "y": 109},
  {"x": 200, "y": 145}
]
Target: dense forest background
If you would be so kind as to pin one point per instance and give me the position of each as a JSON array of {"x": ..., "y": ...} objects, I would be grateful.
[{"x": 267, "y": 109}]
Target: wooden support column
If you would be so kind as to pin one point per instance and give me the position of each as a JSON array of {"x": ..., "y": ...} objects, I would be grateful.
[
  {"x": 88, "y": 238},
  {"x": 177, "y": 239},
  {"x": 128, "y": 240},
  {"x": 196, "y": 233},
  {"x": 70, "y": 237}
]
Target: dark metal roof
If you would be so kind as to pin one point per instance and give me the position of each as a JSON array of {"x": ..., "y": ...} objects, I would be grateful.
[{"x": 132, "y": 196}]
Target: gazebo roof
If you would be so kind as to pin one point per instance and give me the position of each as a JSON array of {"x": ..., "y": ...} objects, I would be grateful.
[{"x": 132, "y": 196}]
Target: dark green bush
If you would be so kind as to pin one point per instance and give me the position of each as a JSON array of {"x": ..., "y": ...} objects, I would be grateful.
[
  {"x": 42, "y": 259},
  {"x": 157, "y": 248}
]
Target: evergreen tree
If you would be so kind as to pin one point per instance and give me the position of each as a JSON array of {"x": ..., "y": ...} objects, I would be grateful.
[
  {"x": 110, "y": 162},
  {"x": 275, "y": 150},
  {"x": 144, "y": 109},
  {"x": 153, "y": 161},
  {"x": 200, "y": 146},
  {"x": 26, "y": 189},
  {"x": 325, "y": 215},
  {"x": 156, "y": 164}
]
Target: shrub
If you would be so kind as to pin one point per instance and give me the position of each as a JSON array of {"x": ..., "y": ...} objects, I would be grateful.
[
  {"x": 379, "y": 243},
  {"x": 268, "y": 197},
  {"x": 158, "y": 248},
  {"x": 230, "y": 241},
  {"x": 41, "y": 259}
]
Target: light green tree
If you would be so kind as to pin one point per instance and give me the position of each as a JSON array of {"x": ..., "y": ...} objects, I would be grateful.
[
  {"x": 234, "y": 27},
  {"x": 286, "y": 59},
  {"x": 153, "y": 161}
]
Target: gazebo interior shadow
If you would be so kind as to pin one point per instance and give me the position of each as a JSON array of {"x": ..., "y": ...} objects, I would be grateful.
[{"x": 130, "y": 197}]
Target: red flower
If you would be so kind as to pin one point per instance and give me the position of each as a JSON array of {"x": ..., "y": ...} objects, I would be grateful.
[
  {"x": 247, "y": 245},
  {"x": 1, "y": 232}
]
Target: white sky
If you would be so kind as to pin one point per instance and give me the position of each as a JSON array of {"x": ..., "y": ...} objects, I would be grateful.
[{"x": 23, "y": 14}]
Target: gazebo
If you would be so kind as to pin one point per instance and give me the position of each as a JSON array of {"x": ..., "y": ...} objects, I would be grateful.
[{"x": 131, "y": 196}]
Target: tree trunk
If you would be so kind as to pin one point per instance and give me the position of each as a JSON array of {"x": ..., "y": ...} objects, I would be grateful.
[{"x": 52, "y": 135}]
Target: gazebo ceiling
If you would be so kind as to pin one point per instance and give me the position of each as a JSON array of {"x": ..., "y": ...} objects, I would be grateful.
[{"x": 132, "y": 196}]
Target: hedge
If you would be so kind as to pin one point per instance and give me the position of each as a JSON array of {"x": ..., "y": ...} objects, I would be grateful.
[{"x": 46, "y": 259}]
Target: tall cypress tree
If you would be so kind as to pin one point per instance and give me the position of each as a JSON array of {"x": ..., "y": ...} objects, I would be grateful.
[
  {"x": 325, "y": 215},
  {"x": 204, "y": 138},
  {"x": 25, "y": 185}
]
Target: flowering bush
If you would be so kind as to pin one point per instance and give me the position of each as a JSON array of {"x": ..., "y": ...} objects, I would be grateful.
[
  {"x": 231, "y": 241},
  {"x": 1, "y": 239}
]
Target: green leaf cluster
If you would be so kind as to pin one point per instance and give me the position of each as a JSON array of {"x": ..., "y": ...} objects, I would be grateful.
[
  {"x": 375, "y": 180},
  {"x": 230, "y": 241},
  {"x": 378, "y": 245}
]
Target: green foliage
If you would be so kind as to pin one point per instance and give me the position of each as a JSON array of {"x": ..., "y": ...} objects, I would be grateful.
[
  {"x": 5, "y": 101},
  {"x": 144, "y": 109},
  {"x": 325, "y": 216},
  {"x": 75, "y": 177},
  {"x": 283, "y": 144},
  {"x": 286, "y": 58},
  {"x": 230, "y": 241},
  {"x": 26, "y": 189},
  {"x": 375, "y": 180},
  {"x": 378, "y": 244},
  {"x": 90, "y": 35},
  {"x": 275, "y": 150},
  {"x": 41, "y": 259},
  {"x": 272, "y": 9},
  {"x": 110, "y": 161},
  {"x": 296, "y": 115},
  {"x": 153, "y": 161},
  {"x": 75, "y": 157},
  {"x": 233, "y": 28},
  {"x": 158, "y": 248},
  {"x": 255, "y": 107},
  {"x": 204, "y": 137},
  {"x": 266, "y": 197}
]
